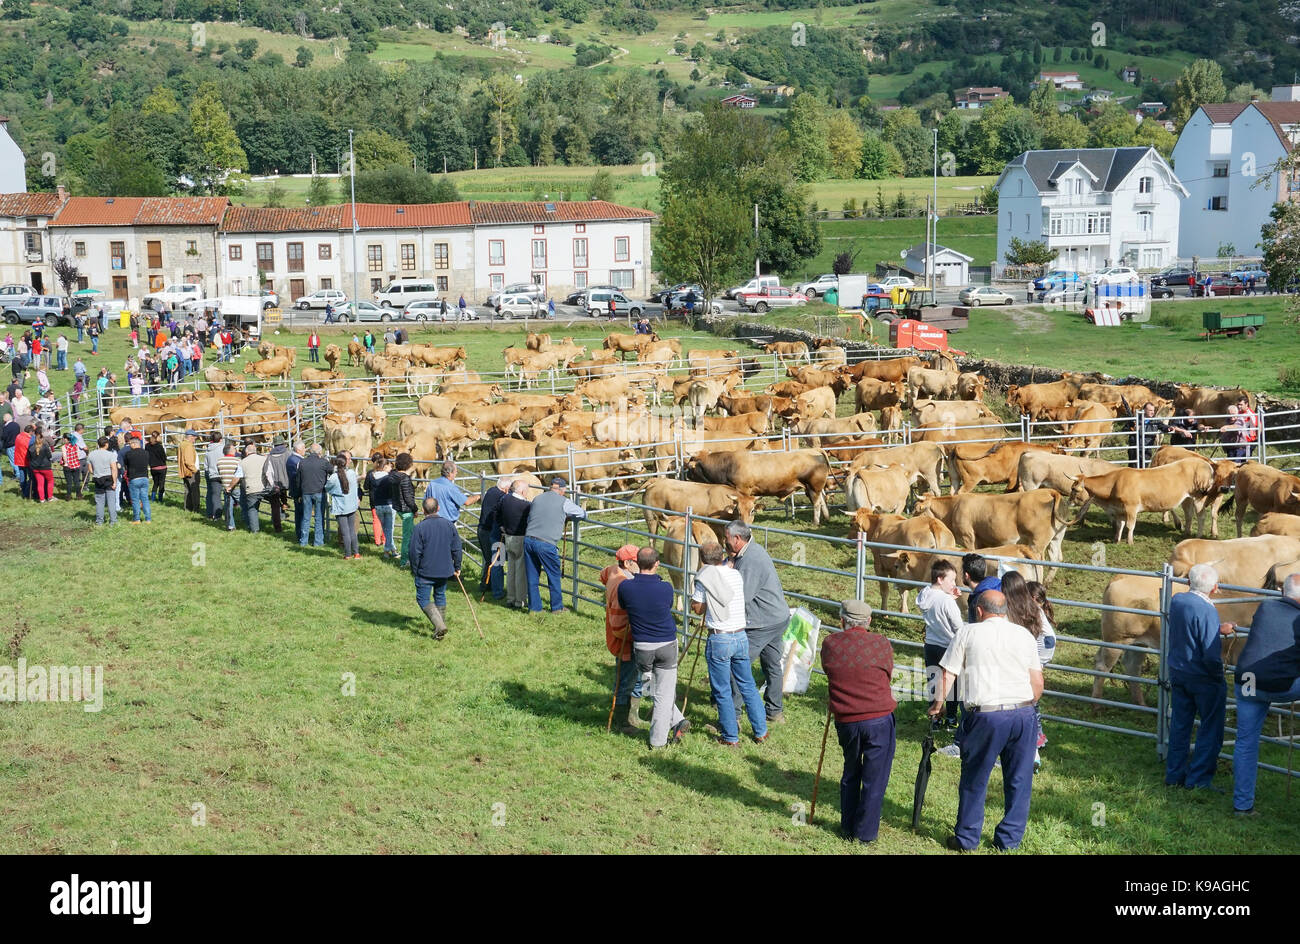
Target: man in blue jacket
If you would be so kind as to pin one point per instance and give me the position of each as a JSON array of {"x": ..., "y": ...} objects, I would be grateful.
[
  {"x": 648, "y": 599},
  {"x": 1268, "y": 670},
  {"x": 435, "y": 559},
  {"x": 1196, "y": 677}
]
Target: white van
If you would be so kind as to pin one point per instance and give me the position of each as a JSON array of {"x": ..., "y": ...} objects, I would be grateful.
[
  {"x": 401, "y": 292},
  {"x": 753, "y": 285}
]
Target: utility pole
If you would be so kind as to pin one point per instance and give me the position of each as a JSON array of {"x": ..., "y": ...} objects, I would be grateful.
[
  {"x": 755, "y": 240},
  {"x": 935, "y": 227},
  {"x": 927, "y": 242},
  {"x": 356, "y": 263}
]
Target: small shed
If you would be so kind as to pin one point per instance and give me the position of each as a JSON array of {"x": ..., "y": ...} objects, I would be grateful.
[{"x": 949, "y": 266}]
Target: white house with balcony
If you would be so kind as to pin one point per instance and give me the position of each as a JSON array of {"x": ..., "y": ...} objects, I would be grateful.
[
  {"x": 1095, "y": 207},
  {"x": 1228, "y": 154}
]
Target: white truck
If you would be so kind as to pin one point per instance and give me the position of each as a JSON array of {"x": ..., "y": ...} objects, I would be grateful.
[
  {"x": 235, "y": 310},
  {"x": 851, "y": 289}
]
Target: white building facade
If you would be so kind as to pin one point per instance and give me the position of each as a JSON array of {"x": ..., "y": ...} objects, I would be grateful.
[
  {"x": 26, "y": 251},
  {"x": 1095, "y": 207},
  {"x": 1227, "y": 155},
  {"x": 13, "y": 165}
]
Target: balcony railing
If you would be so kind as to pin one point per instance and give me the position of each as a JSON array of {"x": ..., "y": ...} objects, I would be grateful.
[
  {"x": 1143, "y": 236},
  {"x": 1144, "y": 199}
]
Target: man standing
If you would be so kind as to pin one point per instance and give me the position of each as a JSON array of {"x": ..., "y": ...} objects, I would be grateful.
[
  {"x": 435, "y": 558},
  {"x": 252, "y": 491},
  {"x": 313, "y": 346},
  {"x": 61, "y": 350},
  {"x": 858, "y": 665},
  {"x": 720, "y": 597},
  {"x": 997, "y": 662},
  {"x": 313, "y": 472},
  {"x": 135, "y": 469},
  {"x": 450, "y": 498},
  {"x": 766, "y": 613},
  {"x": 648, "y": 599},
  {"x": 546, "y": 519},
  {"x": 231, "y": 474},
  {"x": 211, "y": 457},
  {"x": 103, "y": 471},
  {"x": 402, "y": 491},
  {"x": 513, "y": 515},
  {"x": 275, "y": 479},
  {"x": 187, "y": 467},
  {"x": 618, "y": 638},
  {"x": 291, "y": 465},
  {"x": 489, "y": 536},
  {"x": 1196, "y": 678},
  {"x": 1268, "y": 670},
  {"x": 974, "y": 573},
  {"x": 8, "y": 435}
]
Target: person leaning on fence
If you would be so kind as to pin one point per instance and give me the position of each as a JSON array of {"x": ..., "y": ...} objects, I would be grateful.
[
  {"x": 859, "y": 666},
  {"x": 275, "y": 481},
  {"x": 1001, "y": 679},
  {"x": 1197, "y": 685},
  {"x": 1185, "y": 430},
  {"x": 231, "y": 472},
  {"x": 766, "y": 614},
  {"x": 720, "y": 597},
  {"x": 489, "y": 538},
  {"x": 379, "y": 487},
  {"x": 938, "y": 604},
  {"x": 618, "y": 638},
  {"x": 157, "y": 466},
  {"x": 513, "y": 515},
  {"x": 648, "y": 599},
  {"x": 1268, "y": 671},
  {"x": 435, "y": 559},
  {"x": 291, "y": 465},
  {"x": 211, "y": 456},
  {"x": 549, "y": 514},
  {"x": 313, "y": 472},
  {"x": 450, "y": 498},
  {"x": 252, "y": 487},
  {"x": 1231, "y": 435}
]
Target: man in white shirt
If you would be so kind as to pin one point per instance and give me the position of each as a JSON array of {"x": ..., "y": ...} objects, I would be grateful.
[
  {"x": 1002, "y": 678},
  {"x": 720, "y": 596}
]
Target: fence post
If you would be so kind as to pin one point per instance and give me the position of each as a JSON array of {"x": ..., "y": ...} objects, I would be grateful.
[
  {"x": 573, "y": 566},
  {"x": 1263, "y": 438},
  {"x": 1162, "y": 696},
  {"x": 1026, "y": 428},
  {"x": 686, "y": 576},
  {"x": 860, "y": 569},
  {"x": 1139, "y": 432}
]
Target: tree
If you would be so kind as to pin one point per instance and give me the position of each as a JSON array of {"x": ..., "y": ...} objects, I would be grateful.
[
  {"x": 376, "y": 149},
  {"x": 276, "y": 195},
  {"x": 705, "y": 239},
  {"x": 952, "y": 136},
  {"x": 1199, "y": 84},
  {"x": 395, "y": 183},
  {"x": 1056, "y": 54},
  {"x": 1153, "y": 134},
  {"x": 218, "y": 160},
  {"x": 805, "y": 129},
  {"x": 843, "y": 263},
  {"x": 66, "y": 273},
  {"x": 1029, "y": 253},
  {"x": 1281, "y": 245},
  {"x": 916, "y": 146},
  {"x": 444, "y": 191},
  {"x": 319, "y": 192},
  {"x": 247, "y": 48},
  {"x": 1112, "y": 128},
  {"x": 844, "y": 140},
  {"x": 117, "y": 169},
  {"x": 1064, "y": 132},
  {"x": 601, "y": 186},
  {"x": 1074, "y": 54},
  {"x": 1042, "y": 100},
  {"x": 304, "y": 57},
  {"x": 500, "y": 95},
  {"x": 1245, "y": 92}
]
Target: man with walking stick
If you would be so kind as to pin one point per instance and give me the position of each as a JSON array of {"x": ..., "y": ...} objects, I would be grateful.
[
  {"x": 858, "y": 665},
  {"x": 618, "y": 638},
  {"x": 720, "y": 597},
  {"x": 435, "y": 559},
  {"x": 489, "y": 537}
]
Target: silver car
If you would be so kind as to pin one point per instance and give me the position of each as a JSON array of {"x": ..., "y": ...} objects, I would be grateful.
[
  {"x": 429, "y": 310},
  {"x": 977, "y": 295},
  {"x": 518, "y": 306}
]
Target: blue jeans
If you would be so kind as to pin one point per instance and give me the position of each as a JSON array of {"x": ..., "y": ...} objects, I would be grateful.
[
  {"x": 249, "y": 503},
  {"x": 17, "y": 472},
  {"x": 1193, "y": 697},
  {"x": 386, "y": 521},
  {"x": 81, "y": 332},
  {"x": 1252, "y": 712},
  {"x": 214, "y": 496},
  {"x": 868, "y": 755},
  {"x": 539, "y": 556},
  {"x": 231, "y": 501},
  {"x": 139, "y": 489},
  {"x": 439, "y": 588},
  {"x": 62, "y": 360},
  {"x": 631, "y": 683},
  {"x": 727, "y": 656},
  {"x": 313, "y": 509},
  {"x": 497, "y": 581},
  {"x": 988, "y": 736}
]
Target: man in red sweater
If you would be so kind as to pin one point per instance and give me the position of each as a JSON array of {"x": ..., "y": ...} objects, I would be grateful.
[{"x": 858, "y": 665}]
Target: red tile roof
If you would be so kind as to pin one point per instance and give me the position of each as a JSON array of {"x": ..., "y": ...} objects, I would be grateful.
[
  {"x": 566, "y": 211},
  {"x": 270, "y": 220},
  {"x": 141, "y": 211},
  {"x": 1224, "y": 114},
  {"x": 29, "y": 204},
  {"x": 405, "y": 216}
]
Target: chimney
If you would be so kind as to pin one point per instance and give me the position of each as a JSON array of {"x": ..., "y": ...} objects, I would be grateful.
[
  {"x": 62, "y": 193},
  {"x": 1286, "y": 93}
]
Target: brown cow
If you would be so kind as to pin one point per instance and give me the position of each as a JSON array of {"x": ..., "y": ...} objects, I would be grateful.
[
  {"x": 442, "y": 356},
  {"x": 788, "y": 350},
  {"x": 513, "y": 454},
  {"x": 624, "y": 344},
  {"x": 1086, "y": 426},
  {"x": 1277, "y": 522},
  {"x": 1035, "y": 399},
  {"x": 674, "y": 556},
  {"x": 786, "y": 388},
  {"x": 877, "y": 489},
  {"x": 498, "y": 420},
  {"x": 356, "y": 351},
  {"x": 952, "y": 412},
  {"x": 438, "y": 428},
  {"x": 537, "y": 342},
  {"x": 320, "y": 378},
  {"x": 819, "y": 378},
  {"x": 1265, "y": 489},
  {"x": 1125, "y": 493},
  {"x": 923, "y": 461},
  {"x": 1038, "y": 518},
  {"x": 922, "y": 382},
  {"x": 676, "y": 497},
  {"x": 815, "y": 403},
  {"x": 746, "y": 423},
  {"x": 1047, "y": 470},
  {"x": 472, "y": 392},
  {"x": 273, "y": 367},
  {"x": 872, "y": 394},
  {"x": 971, "y": 386},
  {"x": 1136, "y": 396},
  {"x": 776, "y": 474},
  {"x": 972, "y": 464},
  {"x": 608, "y": 390},
  {"x": 332, "y": 354},
  {"x": 1225, "y": 471},
  {"x": 893, "y": 370},
  {"x": 923, "y": 532},
  {"x": 219, "y": 379},
  {"x": 1208, "y": 401}
]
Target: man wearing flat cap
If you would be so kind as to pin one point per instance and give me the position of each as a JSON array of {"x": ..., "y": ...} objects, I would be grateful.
[
  {"x": 859, "y": 665},
  {"x": 546, "y": 520}
]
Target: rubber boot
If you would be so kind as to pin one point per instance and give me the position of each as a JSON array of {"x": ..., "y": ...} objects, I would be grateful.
[
  {"x": 442, "y": 612},
  {"x": 435, "y": 617},
  {"x": 634, "y": 713}
]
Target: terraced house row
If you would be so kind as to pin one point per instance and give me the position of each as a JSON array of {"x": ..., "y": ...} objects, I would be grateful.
[{"x": 130, "y": 246}]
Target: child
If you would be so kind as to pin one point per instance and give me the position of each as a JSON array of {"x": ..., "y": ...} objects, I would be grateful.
[
  {"x": 135, "y": 337},
  {"x": 1046, "y": 650},
  {"x": 938, "y": 604}
]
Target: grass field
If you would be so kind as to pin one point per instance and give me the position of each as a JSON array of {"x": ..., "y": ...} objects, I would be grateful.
[
  {"x": 227, "y": 689},
  {"x": 882, "y": 240}
]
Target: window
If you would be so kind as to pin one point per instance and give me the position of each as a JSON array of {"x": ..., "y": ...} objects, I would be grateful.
[
  {"x": 442, "y": 283},
  {"x": 580, "y": 254},
  {"x": 1144, "y": 222},
  {"x": 622, "y": 278},
  {"x": 265, "y": 257},
  {"x": 620, "y": 249},
  {"x": 580, "y": 228},
  {"x": 375, "y": 259},
  {"x": 117, "y": 257},
  {"x": 580, "y": 280},
  {"x": 1022, "y": 189},
  {"x": 155, "y": 254},
  {"x": 192, "y": 247},
  {"x": 293, "y": 252},
  {"x": 376, "y": 286},
  {"x": 1218, "y": 203},
  {"x": 496, "y": 252},
  {"x": 441, "y": 256},
  {"x": 79, "y": 250},
  {"x": 82, "y": 282},
  {"x": 32, "y": 221},
  {"x": 538, "y": 229},
  {"x": 324, "y": 251},
  {"x": 408, "y": 257},
  {"x": 1026, "y": 230},
  {"x": 326, "y": 283},
  {"x": 1146, "y": 185},
  {"x": 236, "y": 253},
  {"x": 1151, "y": 258},
  {"x": 155, "y": 283},
  {"x": 539, "y": 254},
  {"x": 497, "y": 281},
  {"x": 33, "y": 241},
  {"x": 1220, "y": 170},
  {"x": 539, "y": 278}
]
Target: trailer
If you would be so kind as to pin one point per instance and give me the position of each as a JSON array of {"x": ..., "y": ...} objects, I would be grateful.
[{"x": 1215, "y": 322}]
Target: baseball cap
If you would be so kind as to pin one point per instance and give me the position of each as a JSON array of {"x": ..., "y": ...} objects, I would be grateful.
[
  {"x": 626, "y": 553},
  {"x": 559, "y": 480},
  {"x": 856, "y": 610}
]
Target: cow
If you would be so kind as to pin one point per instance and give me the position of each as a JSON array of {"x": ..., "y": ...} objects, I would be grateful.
[
  {"x": 1225, "y": 471},
  {"x": 434, "y": 447},
  {"x": 593, "y": 368},
  {"x": 786, "y": 388},
  {"x": 814, "y": 378},
  {"x": 571, "y": 420},
  {"x": 891, "y": 418},
  {"x": 893, "y": 370},
  {"x": 925, "y": 532},
  {"x": 444, "y": 357},
  {"x": 1277, "y": 522},
  {"x": 1086, "y": 426},
  {"x": 499, "y": 419},
  {"x": 355, "y": 438},
  {"x": 972, "y": 464},
  {"x": 219, "y": 379},
  {"x": 512, "y": 455},
  {"x": 1035, "y": 399},
  {"x": 675, "y": 558},
  {"x": 877, "y": 489},
  {"x": 788, "y": 350},
  {"x": 1265, "y": 489},
  {"x": 702, "y": 395},
  {"x": 288, "y": 353},
  {"x": 846, "y": 450},
  {"x": 665, "y": 497},
  {"x": 1208, "y": 401},
  {"x": 598, "y": 471},
  {"x": 274, "y": 367},
  {"x": 754, "y": 424},
  {"x": 775, "y": 474},
  {"x": 472, "y": 392},
  {"x": 952, "y": 412},
  {"x": 320, "y": 378},
  {"x": 537, "y": 342},
  {"x": 815, "y": 403},
  {"x": 436, "y": 427},
  {"x": 626, "y": 428},
  {"x": 923, "y": 461},
  {"x": 1038, "y": 519},
  {"x": 831, "y": 356},
  {"x": 624, "y": 344},
  {"x": 1124, "y": 493},
  {"x": 1048, "y": 470},
  {"x": 356, "y": 351},
  {"x": 607, "y": 390},
  {"x": 1240, "y": 562},
  {"x": 422, "y": 380},
  {"x": 835, "y": 427},
  {"x": 760, "y": 403},
  {"x": 971, "y": 386},
  {"x": 534, "y": 364},
  {"x": 870, "y": 394},
  {"x": 332, "y": 354},
  {"x": 712, "y": 361},
  {"x": 1117, "y": 396},
  {"x": 922, "y": 382},
  {"x": 434, "y": 405}
]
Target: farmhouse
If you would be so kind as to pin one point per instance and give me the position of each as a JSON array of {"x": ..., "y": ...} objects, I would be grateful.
[
  {"x": 977, "y": 96},
  {"x": 25, "y": 250},
  {"x": 1094, "y": 206},
  {"x": 739, "y": 101},
  {"x": 1062, "y": 80}
]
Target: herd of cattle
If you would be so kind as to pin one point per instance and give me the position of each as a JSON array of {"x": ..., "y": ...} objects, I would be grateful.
[{"x": 627, "y": 425}]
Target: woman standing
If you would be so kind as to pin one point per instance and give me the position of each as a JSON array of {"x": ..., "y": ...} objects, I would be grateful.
[
  {"x": 341, "y": 487},
  {"x": 379, "y": 488},
  {"x": 157, "y": 466},
  {"x": 1027, "y": 606},
  {"x": 402, "y": 493},
  {"x": 40, "y": 463}
]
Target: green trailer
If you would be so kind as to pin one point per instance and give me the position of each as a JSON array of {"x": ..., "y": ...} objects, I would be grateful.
[{"x": 1215, "y": 322}]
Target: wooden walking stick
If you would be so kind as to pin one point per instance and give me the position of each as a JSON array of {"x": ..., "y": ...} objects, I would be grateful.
[
  {"x": 818, "y": 779},
  {"x": 487, "y": 575},
  {"x": 471, "y": 608},
  {"x": 691, "y": 678}
]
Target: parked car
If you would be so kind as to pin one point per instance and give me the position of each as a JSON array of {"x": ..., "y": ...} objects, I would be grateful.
[
  {"x": 362, "y": 311},
  {"x": 173, "y": 296},
  {"x": 1219, "y": 285},
  {"x": 518, "y": 305},
  {"x": 753, "y": 285},
  {"x": 1114, "y": 274},
  {"x": 52, "y": 309},
  {"x": 320, "y": 298},
  {"x": 432, "y": 311},
  {"x": 598, "y": 303},
  {"x": 677, "y": 301},
  {"x": 270, "y": 299},
  {"x": 401, "y": 292},
  {"x": 899, "y": 280},
  {"x": 1173, "y": 275},
  {"x": 579, "y": 296},
  {"x": 531, "y": 289},
  {"x": 1164, "y": 290},
  {"x": 1246, "y": 273},
  {"x": 1057, "y": 278},
  {"x": 819, "y": 285},
  {"x": 1065, "y": 295},
  {"x": 659, "y": 295},
  {"x": 773, "y": 296},
  {"x": 22, "y": 291},
  {"x": 977, "y": 295}
]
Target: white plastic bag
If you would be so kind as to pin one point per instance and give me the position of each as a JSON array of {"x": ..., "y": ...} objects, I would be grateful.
[{"x": 800, "y": 642}]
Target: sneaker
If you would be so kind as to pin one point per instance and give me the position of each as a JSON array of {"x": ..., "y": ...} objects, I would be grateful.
[
  {"x": 955, "y": 845},
  {"x": 1250, "y": 812},
  {"x": 727, "y": 743},
  {"x": 952, "y": 750},
  {"x": 778, "y": 718},
  {"x": 760, "y": 740},
  {"x": 678, "y": 731}
]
